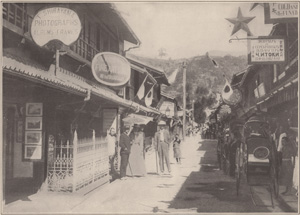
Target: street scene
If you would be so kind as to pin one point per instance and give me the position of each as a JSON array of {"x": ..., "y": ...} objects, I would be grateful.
[{"x": 150, "y": 107}]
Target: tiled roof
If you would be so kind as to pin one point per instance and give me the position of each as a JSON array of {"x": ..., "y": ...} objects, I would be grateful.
[{"x": 67, "y": 80}]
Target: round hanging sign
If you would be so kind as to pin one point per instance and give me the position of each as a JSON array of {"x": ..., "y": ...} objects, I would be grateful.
[
  {"x": 55, "y": 23},
  {"x": 111, "y": 69},
  {"x": 235, "y": 98}
]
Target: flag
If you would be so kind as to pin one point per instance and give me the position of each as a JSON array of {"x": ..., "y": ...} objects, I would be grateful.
[
  {"x": 212, "y": 60},
  {"x": 149, "y": 97},
  {"x": 227, "y": 91},
  {"x": 141, "y": 92},
  {"x": 144, "y": 88}
]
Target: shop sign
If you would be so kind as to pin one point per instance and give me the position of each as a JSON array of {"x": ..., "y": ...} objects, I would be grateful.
[
  {"x": 267, "y": 50},
  {"x": 111, "y": 69},
  {"x": 281, "y": 12},
  {"x": 55, "y": 23},
  {"x": 234, "y": 98},
  {"x": 137, "y": 119},
  {"x": 167, "y": 108}
]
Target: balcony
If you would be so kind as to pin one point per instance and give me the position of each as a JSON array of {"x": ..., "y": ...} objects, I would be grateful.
[{"x": 16, "y": 18}]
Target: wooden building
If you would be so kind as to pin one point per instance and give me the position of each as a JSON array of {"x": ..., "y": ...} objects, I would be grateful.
[{"x": 55, "y": 119}]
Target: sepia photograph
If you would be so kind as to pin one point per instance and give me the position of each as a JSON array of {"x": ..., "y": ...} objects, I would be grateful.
[
  {"x": 33, "y": 137},
  {"x": 150, "y": 107},
  {"x": 33, "y": 152},
  {"x": 33, "y": 123},
  {"x": 34, "y": 109}
]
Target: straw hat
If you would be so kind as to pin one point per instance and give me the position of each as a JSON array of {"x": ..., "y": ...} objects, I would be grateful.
[{"x": 162, "y": 123}]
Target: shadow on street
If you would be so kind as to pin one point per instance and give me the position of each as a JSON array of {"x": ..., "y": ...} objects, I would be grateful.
[{"x": 209, "y": 190}]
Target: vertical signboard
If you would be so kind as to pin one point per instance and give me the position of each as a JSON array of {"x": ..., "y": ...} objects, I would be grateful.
[
  {"x": 267, "y": 50},
  {"x": 281, "y": 12}
]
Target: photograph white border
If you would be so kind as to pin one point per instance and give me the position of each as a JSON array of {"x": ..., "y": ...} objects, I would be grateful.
[
  {"x": 38, "y": 106},
  {"x": 34, "y": 119}
]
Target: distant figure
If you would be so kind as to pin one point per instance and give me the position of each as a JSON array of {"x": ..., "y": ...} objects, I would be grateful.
[
  {"x": 136, "y": 165},
  {"x": 125, "y": 145},
  {"x": 176, "y": 149},
  {"x": 288, "y": 164},
  {"x": 162, "y": 142}
]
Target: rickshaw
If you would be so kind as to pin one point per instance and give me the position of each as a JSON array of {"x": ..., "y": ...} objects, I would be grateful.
[{"x": 256, "y": 157}]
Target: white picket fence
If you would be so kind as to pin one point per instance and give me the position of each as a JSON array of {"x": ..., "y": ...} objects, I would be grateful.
[{"x": 79, "y": 167}]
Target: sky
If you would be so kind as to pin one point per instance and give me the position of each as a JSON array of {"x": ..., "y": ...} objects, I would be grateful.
[{"x": 187, "y": 29}]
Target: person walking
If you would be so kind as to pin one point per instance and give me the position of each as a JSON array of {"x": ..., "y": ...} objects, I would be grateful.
[
  {"x": 162, "y": 142},
  {"x": 287, "y": 167},
  {"x": 125, "y": 145},
  {"x": 136, "y": 161},
  {"x": 176, "y": 149}
]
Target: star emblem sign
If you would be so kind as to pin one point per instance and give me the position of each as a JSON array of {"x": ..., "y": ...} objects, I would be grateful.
[{"x": 240, "y": 22}]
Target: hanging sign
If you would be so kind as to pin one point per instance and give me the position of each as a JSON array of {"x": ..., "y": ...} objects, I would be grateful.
[
  {"x": 267, "y": 50},
  {"x": 234, "y": 98},
  {"x": 281, "y": 12},
  {"x": 55, "y": 23},
  {"x": 111, "y": 69}
]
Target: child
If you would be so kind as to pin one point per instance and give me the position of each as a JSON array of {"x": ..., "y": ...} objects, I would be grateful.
[{"x": 176, "y": 148}]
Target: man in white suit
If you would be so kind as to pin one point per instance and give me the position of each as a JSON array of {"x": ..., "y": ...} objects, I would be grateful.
[{"x": 162, "y": 144}]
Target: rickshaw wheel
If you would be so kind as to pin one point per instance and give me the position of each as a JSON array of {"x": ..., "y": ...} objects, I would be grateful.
[{"x": 238, "y": 170}]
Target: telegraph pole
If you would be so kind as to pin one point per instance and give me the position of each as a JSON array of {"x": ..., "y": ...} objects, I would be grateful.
[
  {"x": 193, "y": 116},
  {"x": 184, "y": 100}
]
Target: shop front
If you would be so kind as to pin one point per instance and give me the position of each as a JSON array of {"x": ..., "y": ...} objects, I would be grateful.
[{"x": 55, "y": 129}]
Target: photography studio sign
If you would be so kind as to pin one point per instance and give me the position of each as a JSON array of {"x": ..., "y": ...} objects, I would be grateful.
[
  {"x": 267, "y": 50},
  {"x": 55, "y": 23}
]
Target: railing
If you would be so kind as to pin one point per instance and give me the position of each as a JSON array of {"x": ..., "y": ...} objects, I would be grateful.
[
  {"x": 16, "y": 14},
  {"x": 84, "y": 49},
  {"x": 81, "y": 166}
]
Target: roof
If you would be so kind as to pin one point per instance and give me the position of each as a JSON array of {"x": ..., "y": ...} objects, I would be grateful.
[
  {"x": 110, "y": 15},
  {"x": 142, "y": 70},
  {"x": 167, "y": 95},
  {"x": 65, "y": 80},
  {"x": 237, "y": 78},
  {"x": 157, "y": 73}
]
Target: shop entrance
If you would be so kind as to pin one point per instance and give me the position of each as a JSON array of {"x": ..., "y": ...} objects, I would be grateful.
[{"x": 17, "y": 184}]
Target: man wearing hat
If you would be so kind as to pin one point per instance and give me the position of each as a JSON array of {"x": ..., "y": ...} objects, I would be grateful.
[
  {"x": 162, "y": 142},
  {"x": 125, "y": 144}
]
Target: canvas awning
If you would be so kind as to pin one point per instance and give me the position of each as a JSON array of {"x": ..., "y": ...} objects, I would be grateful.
[{"x": 137, "y": 119}]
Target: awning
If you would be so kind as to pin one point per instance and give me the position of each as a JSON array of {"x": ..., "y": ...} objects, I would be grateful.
[
  {"x": 67, "y": 81},
  {"x": 137, "y": 119}
]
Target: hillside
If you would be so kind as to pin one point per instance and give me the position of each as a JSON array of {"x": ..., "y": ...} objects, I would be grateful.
[{"x": 200, "y": 72}]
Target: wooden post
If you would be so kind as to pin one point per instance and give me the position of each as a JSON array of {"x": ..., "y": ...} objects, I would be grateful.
[
  {"x": 75, "y": 140},
  {"x": 56, "y": 61},
  {"x": 94, "y": 154}
]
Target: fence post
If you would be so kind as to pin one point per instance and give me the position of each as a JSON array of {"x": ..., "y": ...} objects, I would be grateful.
[{"x": 75, "y": 140}]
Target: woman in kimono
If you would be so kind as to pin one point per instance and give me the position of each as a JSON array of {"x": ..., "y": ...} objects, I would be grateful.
[{"x": 136, "y": 165}]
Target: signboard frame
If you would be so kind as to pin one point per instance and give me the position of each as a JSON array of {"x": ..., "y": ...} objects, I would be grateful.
[
  {"x": 116, "y": 85},
  {"x": 56, "y": 41},
  {"x": 251, "y": 62},
  {"x": 269, "y": 20}
]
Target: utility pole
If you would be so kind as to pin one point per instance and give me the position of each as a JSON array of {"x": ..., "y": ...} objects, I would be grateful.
[
  {"x": 193, "y": 116},
  {"x": 184, "y": 100}
]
